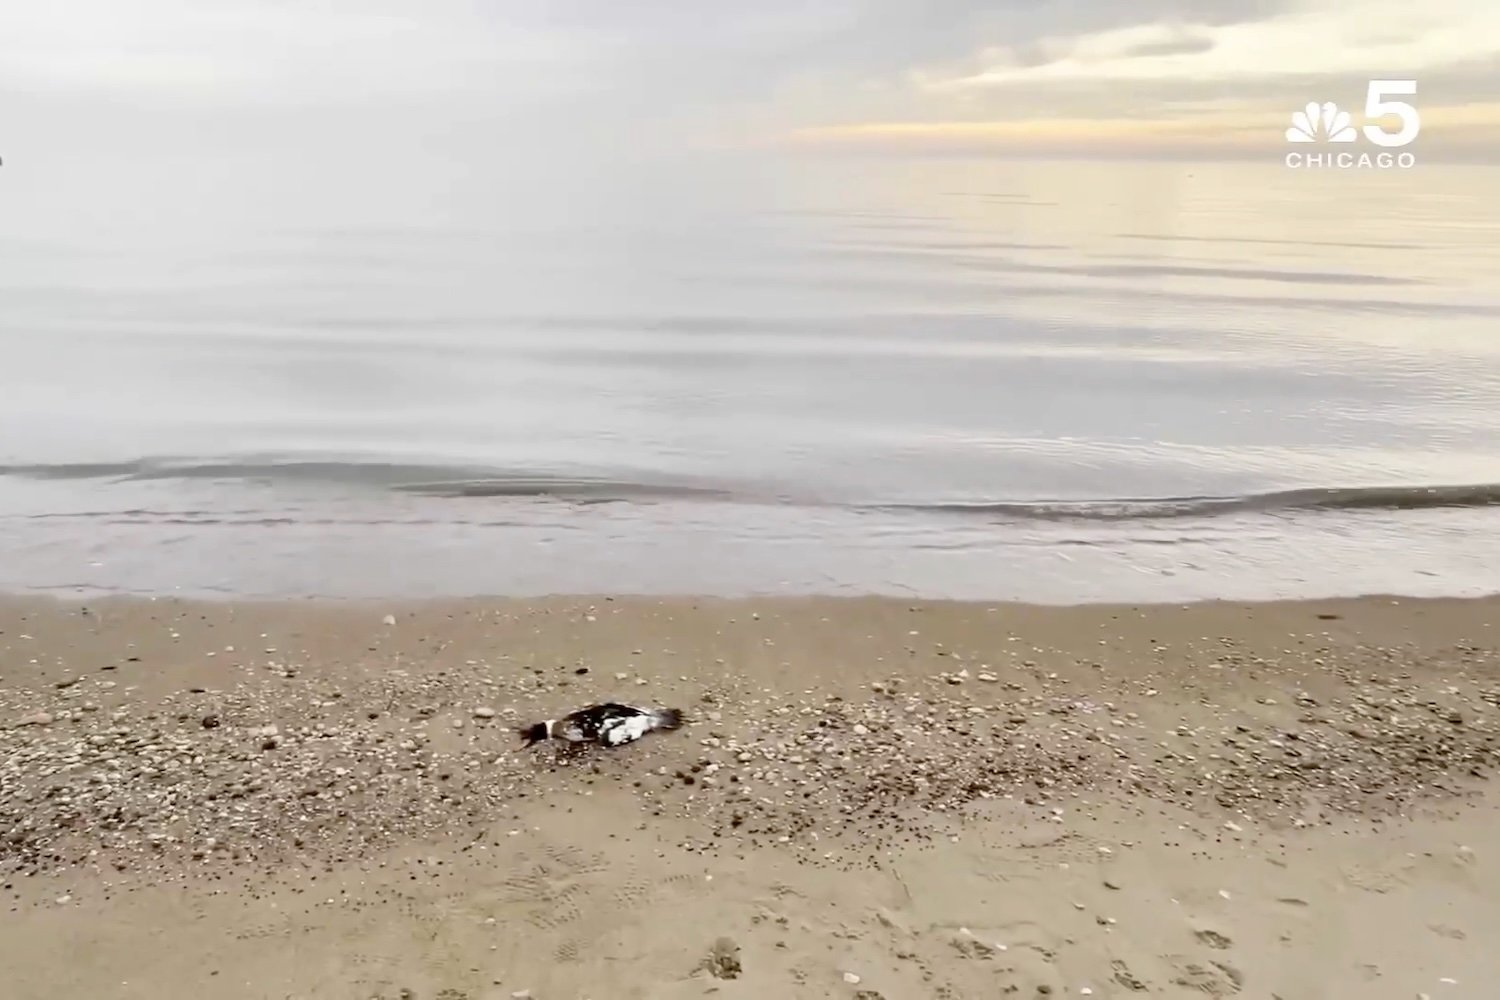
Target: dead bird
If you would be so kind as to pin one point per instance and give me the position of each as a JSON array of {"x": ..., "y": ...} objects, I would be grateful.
[{"x": 609, "y": 725}]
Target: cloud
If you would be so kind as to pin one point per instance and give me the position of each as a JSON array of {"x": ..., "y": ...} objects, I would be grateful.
[
  {"x": 1213, "y": 83},
  {"x": 546, "y": 79},
  {"x": 1462, "y": 131},
  {"x": 1371, "y": 38},
  {"x": 260, "y": 52},
  {"x": 1183, "y": 42}
]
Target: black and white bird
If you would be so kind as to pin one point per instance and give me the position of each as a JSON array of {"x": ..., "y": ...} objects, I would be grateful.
[{"x": 608, "y": 725}]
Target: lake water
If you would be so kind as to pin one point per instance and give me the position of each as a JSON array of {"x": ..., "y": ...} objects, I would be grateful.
[{"x": 1048, "y": 381}]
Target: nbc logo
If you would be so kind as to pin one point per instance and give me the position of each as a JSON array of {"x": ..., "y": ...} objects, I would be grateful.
[
  {"x": 1333, "y": 123},
  {"x": 1328, "y": 123}
]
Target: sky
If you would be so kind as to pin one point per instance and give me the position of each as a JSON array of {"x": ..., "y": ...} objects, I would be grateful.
[{"x": 368, "y": 87}]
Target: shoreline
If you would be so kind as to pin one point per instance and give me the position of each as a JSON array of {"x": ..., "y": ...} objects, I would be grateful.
[
  {"x": 12, "y": 599},
  {"x": 930, "y": 776},
  {"x": 318, "y": 547}
]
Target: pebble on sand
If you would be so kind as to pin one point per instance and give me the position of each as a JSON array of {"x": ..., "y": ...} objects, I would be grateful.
[{"x": 765, "y": 772}]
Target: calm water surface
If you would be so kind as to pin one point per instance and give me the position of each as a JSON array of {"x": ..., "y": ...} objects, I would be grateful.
[{"x": 1050, "y": 381}]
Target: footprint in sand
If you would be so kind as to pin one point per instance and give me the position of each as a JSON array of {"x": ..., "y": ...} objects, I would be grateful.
[
  {"x": 781, "y": 891},
  {"x": 1213, "y": 939},
  {"x": 1022, "y": 968},
  {"x": 574, "y": 894},
  {"x": 1378, "y": 878},
  {"x": 1031, "y": 855},
  {"x": 723, "y": 960},
  {"x": 1121, "y": 974},
  {"x": 629, "y": 893},
  {"x": 252, "y": 933},
  {"x": 551, "y": 885},
  {"x": 1024, "y": 934},
  {"x": 374, "y": 971},
  {"x": 1217, "y": 979}
]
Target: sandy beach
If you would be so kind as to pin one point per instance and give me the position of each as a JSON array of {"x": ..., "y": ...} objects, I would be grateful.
[
  {"x": 1039, "y": 463},
  {"x": 872, "y": 798}
]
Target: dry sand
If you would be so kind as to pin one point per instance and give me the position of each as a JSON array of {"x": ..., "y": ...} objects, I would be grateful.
[{"x": 872, "y": 799}]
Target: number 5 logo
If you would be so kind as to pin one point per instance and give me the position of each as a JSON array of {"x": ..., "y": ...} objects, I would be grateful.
[{"x": 1376, "y": 106}]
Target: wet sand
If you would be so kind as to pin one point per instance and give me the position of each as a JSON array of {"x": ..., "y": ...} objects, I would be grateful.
[{"x": 872, "y": 798}]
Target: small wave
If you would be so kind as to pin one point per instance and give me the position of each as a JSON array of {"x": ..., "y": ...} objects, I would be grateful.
[
  {"x": 583, "y": 490},
  {"x": 415, "y": 478},
  {"x": 1324, "y": 498},
  {"x": 474, "y": 483},
  {"x": 306, "y": 470}
]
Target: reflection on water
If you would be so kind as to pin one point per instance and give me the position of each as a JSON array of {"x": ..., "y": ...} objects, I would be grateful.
[{"x": 838, "y": 355}]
